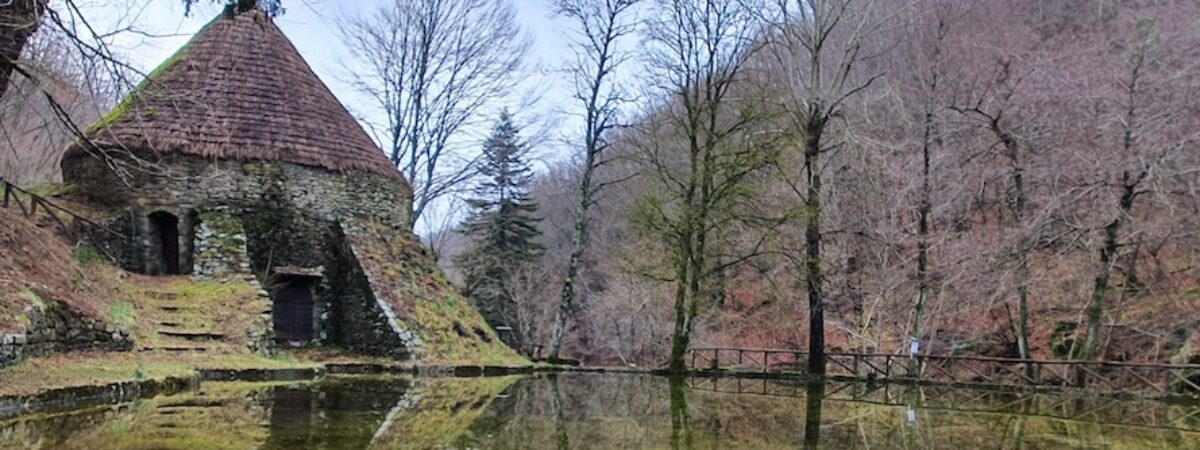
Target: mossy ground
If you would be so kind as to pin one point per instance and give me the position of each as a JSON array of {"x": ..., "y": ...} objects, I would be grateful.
[{"x": 35, "y": 375}]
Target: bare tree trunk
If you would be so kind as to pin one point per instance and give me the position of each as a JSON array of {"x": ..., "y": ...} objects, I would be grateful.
[
  {"x": 1108, "y": 253},
  {"x": 578, "y": 243},
  {"x": 680, "y": 338},
  {"x": 1023, "y": 256},
  {"x": 1017, "y": 174},
  {"x": 1023, "y": 303},
  {"x": 18, "y": 21},
  {"x": 815, "y": 87},
  {"x": 813, "y": 278},
  {"x": 1023, "y": 250},
  {"x": 1129, "y": 192},
  {"x": 700, "y": 40},
  {"x": 930, "y": 139},
  {"x": 923, "y": 210},
  {"x": 602, "y": 26}
]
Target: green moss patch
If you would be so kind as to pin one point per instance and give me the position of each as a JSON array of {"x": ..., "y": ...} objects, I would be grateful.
[{"x": 408, "y": 279}]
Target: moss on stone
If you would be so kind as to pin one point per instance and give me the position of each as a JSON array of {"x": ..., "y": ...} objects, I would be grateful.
[
  {"x": 407, "y": 278},
  {"x": 35, "y": 300}
]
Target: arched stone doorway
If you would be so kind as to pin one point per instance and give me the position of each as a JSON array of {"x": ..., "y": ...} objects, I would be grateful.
[{"x": 164, "y": 240}]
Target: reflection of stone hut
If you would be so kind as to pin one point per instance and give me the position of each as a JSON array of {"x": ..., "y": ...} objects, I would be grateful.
[{"x": 248, "y": 164}]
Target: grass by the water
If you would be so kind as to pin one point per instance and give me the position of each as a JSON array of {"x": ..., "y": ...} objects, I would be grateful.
[{"x": 36, "y": 375}]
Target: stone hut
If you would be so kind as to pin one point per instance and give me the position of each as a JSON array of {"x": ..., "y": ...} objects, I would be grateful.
[{"x": 233, "y": 158}]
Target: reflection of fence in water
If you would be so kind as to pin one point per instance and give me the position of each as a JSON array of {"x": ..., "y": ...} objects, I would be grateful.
[
  {"x": 1149, "y": 414},
  {"x": 1108, "y": 377}
]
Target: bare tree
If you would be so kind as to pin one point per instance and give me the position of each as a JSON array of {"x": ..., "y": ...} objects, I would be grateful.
[
  {"x": 695, "y": 146},
  {"x": 36, "y": 114},
  {"x": 993, "y": 109},
  {"x": 602, "y": 25},
  {"x": 931, "y": 141},
  {"x": 432, "y": 67},
  {"x": 816, "y": 49},
  {"x": 1153, "y": 124}
]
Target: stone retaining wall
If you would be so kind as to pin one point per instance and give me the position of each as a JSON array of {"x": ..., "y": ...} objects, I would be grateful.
[{"x": 54, "y": 328}]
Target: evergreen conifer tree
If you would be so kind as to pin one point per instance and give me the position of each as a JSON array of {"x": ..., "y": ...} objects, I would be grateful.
[{"x": 502, "y": 226}]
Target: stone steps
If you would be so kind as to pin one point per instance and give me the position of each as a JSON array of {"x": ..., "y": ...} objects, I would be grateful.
[
  {"x": 181, "y": 324},
  {"x": 192, "y": 335},
  {"x": 176, "y": 349},
  {"x": 176, "y": 308},
  {"x": 176, "y": 344}
]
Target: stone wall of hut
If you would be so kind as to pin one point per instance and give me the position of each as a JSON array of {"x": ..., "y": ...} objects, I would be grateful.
[
  {"x": 190, "y": 181},
  {"x": 292, "y": 202},
  {"x": 252, "y": 218}
]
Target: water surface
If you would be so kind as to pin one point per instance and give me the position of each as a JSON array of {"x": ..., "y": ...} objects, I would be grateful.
[{"x": 583, "y": 411}]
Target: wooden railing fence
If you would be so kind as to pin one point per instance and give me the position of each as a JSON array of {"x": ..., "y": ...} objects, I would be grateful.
[
  {"x": 1110, "y": 377},
  {"x": 33, "y": 203}
]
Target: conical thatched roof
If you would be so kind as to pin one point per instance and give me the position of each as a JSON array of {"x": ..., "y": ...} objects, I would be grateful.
[{"x": 240, "y": 90}]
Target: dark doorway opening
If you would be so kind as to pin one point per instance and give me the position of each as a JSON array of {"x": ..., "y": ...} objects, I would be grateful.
[
  {"x": 295, "y": 309},
  {"x": 166, "y": 227}
]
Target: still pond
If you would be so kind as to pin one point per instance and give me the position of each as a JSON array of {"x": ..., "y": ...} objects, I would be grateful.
[{"x": 590, "y": 411}]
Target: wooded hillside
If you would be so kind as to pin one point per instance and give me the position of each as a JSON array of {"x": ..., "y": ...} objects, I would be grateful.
[{"x": 998, "y": 177}]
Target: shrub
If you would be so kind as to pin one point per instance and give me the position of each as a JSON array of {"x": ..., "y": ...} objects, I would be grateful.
[
  {"x": 121, "y": 314},
  {"x": 86, "y": 254}
]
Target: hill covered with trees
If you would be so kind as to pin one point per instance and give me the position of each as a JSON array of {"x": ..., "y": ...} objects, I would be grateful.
[{"x": 1011, "y": 178}]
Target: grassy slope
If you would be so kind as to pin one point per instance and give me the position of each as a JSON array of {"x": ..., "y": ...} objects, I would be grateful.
[
  {"x": 452, "y": 330},
  {"x": 37, "y": 267}
]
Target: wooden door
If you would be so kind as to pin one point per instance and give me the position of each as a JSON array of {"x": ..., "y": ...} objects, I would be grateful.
[{"x": 294, "y": 311}]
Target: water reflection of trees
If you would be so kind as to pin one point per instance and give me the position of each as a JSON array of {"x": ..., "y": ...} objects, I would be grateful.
[
  {"x": 606, "y": 411},
  {"x": 579, "y": 411},
  {"x": 681, "y": 430}
]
